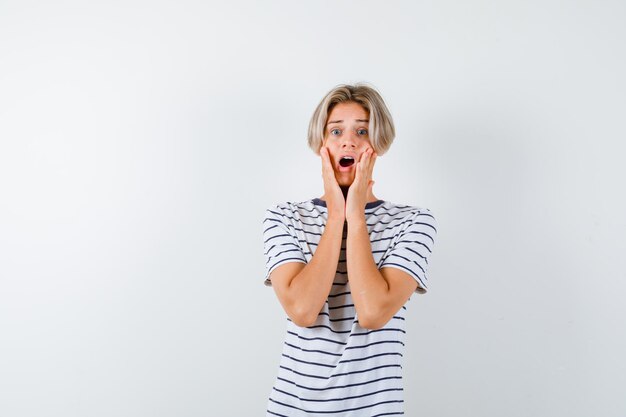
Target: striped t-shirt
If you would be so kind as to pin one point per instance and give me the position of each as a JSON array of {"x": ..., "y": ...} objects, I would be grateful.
[{"x": 336, "y": 367}]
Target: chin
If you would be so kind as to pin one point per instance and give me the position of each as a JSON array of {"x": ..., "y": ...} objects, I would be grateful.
[
  {"x": 345, "y": 183},
  {"x": 344, "y": 180}
]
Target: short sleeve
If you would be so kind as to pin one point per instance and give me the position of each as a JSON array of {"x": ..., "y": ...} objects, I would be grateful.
[
  {"x": 414, "y": 246},
  {"x": 280, "y": 241}
]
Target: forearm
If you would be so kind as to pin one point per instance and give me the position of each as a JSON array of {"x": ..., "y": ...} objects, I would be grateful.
[
  {"x": 369, "y": 288},
  {"x": 309, "y": 289}
]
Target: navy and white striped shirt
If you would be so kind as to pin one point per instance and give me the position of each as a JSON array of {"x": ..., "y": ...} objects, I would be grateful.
[{"x": 336, "y": 367}]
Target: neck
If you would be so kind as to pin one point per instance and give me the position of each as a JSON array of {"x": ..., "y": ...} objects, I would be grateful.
[{"x": 344, "y": 190}]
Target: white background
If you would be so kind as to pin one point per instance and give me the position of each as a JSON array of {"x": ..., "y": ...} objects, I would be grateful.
[{"x": 141, "y": 142}]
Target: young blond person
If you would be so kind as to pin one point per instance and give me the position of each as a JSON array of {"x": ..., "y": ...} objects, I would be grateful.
[{"x": 343, "y": 266}]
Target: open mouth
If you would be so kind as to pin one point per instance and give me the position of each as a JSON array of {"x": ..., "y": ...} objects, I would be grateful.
[{"x": 346, "y": 161}]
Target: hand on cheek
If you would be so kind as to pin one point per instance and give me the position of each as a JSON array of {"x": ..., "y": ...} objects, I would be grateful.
[
  {"x": 361, "y": 187},
  {"x": 335, "y": 202}
]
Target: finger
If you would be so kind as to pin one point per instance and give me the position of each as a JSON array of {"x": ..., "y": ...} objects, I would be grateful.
[
  {"x": 325, "y": 157},
  {"x": 372, "y": 162},
  {"x": 323, "y": 153},
  {"x": 364, "y": 157},
  {"x": 371, "y": 158},
  {"x": 364, "y": 160},
  {"x": 325, "y": 162},
  {"x": 365, "y": 164},
  {"x": 328, "y": 173}
]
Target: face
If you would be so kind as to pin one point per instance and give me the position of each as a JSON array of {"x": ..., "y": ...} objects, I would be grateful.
[{"x": 346, "y": 134}]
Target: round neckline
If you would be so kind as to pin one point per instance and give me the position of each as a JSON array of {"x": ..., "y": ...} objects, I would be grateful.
[{"x": 371, "y": 204}]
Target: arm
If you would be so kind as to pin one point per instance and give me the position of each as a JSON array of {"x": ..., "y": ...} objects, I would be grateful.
[
  {"x": 377, "y": 295},
  {"x": 303, "y": 289}
]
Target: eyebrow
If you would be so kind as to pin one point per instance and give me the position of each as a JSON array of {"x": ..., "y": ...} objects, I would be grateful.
[{"x": 341, "y": 121}]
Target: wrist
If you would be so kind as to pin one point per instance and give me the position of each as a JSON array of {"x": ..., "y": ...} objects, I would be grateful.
[
  {"x": 335, "y": 218},
  {"x": 356, "y": 219}
]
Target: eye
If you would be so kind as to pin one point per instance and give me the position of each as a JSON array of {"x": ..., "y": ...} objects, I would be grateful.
[
  {"x": 362, "y": 132},
  {"x": 335, "y": 131}
]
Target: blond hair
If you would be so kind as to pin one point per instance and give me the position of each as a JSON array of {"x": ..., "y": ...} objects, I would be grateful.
[{"x": 381, "y": 128}]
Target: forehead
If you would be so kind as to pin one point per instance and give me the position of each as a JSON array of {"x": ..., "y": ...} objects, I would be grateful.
[{"x": 347, "y": 111}]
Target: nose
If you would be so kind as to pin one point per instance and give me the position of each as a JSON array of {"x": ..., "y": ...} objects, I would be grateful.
[{"x": 349, "y": 140}]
